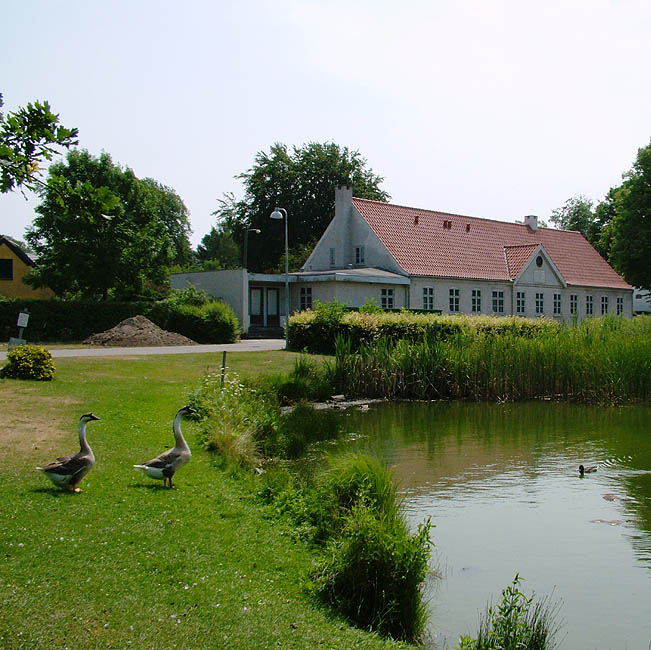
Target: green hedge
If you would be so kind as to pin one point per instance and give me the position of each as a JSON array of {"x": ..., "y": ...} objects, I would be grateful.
[
  {"x": 317, "y": 330},
  {"x": 72, "y": 321}
]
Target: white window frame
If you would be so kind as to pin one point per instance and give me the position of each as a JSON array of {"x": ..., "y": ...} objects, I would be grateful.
[
  {"x": 359, "y": 256},
  {"x": 540, "y": 303},
  {"x": 520, "y": 302},
  {"x": 332, "y": 257},
  {"x": 604, "y": 305},
  {"x": 475, "y": 306},
  {"x": 589, "y": 305},
  {"x": 497, "y": 299},
  {"x": 387, "y": 299},
  {"x": 558, "y": 302},
  {"x": 574, "y": 303},
  {"x": 454, "y": 301},
  {"x": 620, "y": 305},
  {"x": 428, "y": 298}
]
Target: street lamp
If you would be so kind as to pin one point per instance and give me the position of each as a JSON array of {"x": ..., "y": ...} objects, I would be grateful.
[
  {"x": 246, "y": 243},
  {"x": 278, "y": 214}
]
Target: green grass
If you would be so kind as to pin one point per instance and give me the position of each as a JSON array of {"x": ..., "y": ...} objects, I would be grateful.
[{"x": 127, "y": 563}]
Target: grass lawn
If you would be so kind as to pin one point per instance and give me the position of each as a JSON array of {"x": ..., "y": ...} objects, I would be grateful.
[{"x": 128, "y": 563}]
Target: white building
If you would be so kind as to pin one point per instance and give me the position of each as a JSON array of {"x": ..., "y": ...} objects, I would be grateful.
[{"x": 410, "y": 258}]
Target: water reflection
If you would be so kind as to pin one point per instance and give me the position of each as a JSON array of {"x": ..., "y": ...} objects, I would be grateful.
[{"x": 501, "y": 484}]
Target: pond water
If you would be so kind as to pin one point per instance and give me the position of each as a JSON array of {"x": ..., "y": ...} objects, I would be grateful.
[{"x": 501, "y": 485}]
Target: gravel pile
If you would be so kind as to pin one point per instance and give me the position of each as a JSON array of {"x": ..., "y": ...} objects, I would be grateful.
[{"x": 137, "y": 331}]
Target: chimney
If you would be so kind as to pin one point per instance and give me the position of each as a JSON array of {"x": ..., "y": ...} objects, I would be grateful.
[{"x": 531, "y": 220}]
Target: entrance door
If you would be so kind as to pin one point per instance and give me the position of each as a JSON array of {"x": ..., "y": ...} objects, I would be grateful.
[
  {"x": 273, "y": 303},
  {"x": 256, "y": 306}
]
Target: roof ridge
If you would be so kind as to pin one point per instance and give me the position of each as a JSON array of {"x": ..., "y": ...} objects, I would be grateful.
[{"x": 447, "y": 214}]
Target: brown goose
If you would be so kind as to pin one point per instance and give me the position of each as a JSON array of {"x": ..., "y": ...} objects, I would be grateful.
[
  {"x": 68, "y": 471},
  {"x": 587, "y": 470},
  {"x": 164, "y": 466}
]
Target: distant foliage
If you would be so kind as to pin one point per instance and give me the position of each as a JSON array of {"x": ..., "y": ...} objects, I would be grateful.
[{"x": 29, "y": 362}]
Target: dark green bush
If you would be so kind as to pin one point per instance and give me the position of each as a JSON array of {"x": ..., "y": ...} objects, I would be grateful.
[
  {"x": 29, "y": 362},
  {"x": 373, "y": 571},
  {"x": 67, "y": 321}
]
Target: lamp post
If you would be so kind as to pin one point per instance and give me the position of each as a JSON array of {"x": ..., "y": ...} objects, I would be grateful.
[
  {"x": 278, "y": 214},
  {"x": 246, "y": 244}
]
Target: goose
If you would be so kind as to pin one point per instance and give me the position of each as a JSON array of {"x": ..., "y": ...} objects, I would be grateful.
[
  {"x": 68, "y": 471},
  {"x": 587, "y": 470},
  {"x": 164, "y": 466}
]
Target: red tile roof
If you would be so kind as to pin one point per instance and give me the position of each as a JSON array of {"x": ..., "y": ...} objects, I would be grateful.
[
  {"x": 517, "y": 257},
  {"x": 424, "y": 242}
]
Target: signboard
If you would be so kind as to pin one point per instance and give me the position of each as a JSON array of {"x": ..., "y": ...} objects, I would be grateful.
[{"x": 22, "y": 319}]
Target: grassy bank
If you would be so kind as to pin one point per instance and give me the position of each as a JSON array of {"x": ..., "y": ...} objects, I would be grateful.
[{"x": 128, "y": 563}]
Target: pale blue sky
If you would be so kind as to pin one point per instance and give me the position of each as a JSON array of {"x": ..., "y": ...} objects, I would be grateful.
[{"x": 487, "y": 108}]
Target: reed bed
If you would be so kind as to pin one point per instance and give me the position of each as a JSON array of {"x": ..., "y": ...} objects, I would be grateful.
[{"x": 605, "y": 360}]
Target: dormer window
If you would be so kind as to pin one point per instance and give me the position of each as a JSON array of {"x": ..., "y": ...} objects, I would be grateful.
[{"x": 359, "y": 255}]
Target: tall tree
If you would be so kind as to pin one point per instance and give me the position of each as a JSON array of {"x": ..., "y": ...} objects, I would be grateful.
[
  {"x": 99, "y": 230},
  {"x": 218, "y": 249},
  {"x": 302, "y": 181},
  {"x": 577, "y": 214},
  {"x": 630, "y": 229},
  {"x": 174, "y": 214},
  {"x": 29, "y": 136}
]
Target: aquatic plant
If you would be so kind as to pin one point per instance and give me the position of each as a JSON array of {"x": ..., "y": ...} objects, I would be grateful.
[{"x": 516, "y": 623}]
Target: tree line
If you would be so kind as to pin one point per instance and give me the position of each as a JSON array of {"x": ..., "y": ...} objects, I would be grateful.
[{"x": 100, "y": 232}]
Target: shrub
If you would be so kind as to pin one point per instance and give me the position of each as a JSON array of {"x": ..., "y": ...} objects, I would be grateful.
[
  {"x": 372, "y": 573},
  {"x": 352, "y": 479},
  {"x": 307, "y": 380},
  {"x": 515, "y": 623},
  {"x": 237, "y": 422},
  {"x": 29, "y": 362}
]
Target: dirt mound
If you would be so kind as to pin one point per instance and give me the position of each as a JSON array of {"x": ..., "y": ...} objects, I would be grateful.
[{"x": 137, "y": 331}]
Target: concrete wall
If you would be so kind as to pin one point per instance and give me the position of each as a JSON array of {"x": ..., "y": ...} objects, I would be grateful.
[{"x": 230, "y": 285}]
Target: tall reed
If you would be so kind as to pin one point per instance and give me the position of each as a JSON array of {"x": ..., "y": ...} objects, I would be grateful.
[{"x": 605, "y": 360}]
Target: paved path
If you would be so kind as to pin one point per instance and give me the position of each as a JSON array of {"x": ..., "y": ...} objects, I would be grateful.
[{"x": 248, "y": 345}]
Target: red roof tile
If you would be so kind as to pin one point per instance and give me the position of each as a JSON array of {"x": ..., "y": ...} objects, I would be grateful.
[
  {"x": 424, "y": 242},
  {"x": 517, "y": 257}
]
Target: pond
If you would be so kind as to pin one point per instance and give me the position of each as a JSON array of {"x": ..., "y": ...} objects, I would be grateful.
[{"x": 500, "y": 483}]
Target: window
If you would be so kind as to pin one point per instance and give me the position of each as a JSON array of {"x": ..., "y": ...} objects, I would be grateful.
[
  {"x": 539, "y": 261},
  {"x": 332, "y": 257},
  {"x": 604, "y": 305},
  {"x": 476, "y": 301},
  {"x": 588, "y": 305},
  {"x": 519, "y": 302},
  {"x": 387, "y": 298},
  {"x": 359, "y": 255},
  {"x": 620, "y": 305},
  {"x": 306, "y": 298},
  {"x": 454, "y": 300},
  {"x": 428, "y": 298},
  {"x": 540, "y": 303},
  {"x": 6, "y": 269},
  {"x": 574, "y": 302},
  {"x": 557, "y": 304},
  {"x": 498, "y": 302}
]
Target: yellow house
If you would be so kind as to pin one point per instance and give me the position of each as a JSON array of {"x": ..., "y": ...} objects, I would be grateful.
[{"x": 14, "y": 265}]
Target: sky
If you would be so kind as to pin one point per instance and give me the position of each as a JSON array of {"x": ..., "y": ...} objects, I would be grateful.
[{"x": 487, "y": 108}]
